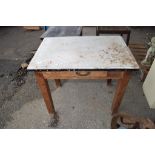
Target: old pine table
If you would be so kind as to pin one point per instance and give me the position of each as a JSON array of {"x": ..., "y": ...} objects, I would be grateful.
[{"x": 90, "y": 57}]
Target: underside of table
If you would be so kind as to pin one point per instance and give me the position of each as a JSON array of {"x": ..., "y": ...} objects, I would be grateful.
[{"x": 42, "y": 77}]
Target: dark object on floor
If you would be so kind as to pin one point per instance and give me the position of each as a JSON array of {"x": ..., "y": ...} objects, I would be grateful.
[
  {"x": 22, "y": 72},
  {"x": 19, "y": 77},
  {"x": 126, "y": 121},
  {"x": 1, "y": 75}
]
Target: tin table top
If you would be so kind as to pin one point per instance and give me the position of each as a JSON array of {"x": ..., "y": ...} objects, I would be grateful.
[{"x": 83, "y": 53}]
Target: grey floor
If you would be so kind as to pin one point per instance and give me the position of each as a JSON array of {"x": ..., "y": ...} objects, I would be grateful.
[{"x": 79, "y": 103}]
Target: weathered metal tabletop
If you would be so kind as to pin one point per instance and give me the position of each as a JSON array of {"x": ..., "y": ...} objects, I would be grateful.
[{"x": 83, "y": 53}]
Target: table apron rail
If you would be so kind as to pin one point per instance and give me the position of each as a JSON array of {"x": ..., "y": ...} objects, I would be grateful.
[{"x": 82, "y": 74}]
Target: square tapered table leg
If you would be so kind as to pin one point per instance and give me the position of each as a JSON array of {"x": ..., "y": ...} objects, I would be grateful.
[
  {"x": 121, "y": 86},
  {"x": 45, "y": 91},
  {"x": 58, "y": 83}
]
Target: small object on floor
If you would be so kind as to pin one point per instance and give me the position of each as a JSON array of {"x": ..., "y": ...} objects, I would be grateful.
[
  {"x": 126, "y": 121},
  {"x": 20, "y": 82},
  {"x": 54, "y": 119},
  {"x": 1, "y": 75},
  {"x": 24, "y": 65}
]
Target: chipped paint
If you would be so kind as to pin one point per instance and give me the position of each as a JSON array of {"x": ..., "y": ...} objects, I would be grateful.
[{"x": 91, "y": 52}]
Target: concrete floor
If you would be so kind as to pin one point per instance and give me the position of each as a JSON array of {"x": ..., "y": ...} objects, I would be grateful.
[{"x": 79, "y": 103}]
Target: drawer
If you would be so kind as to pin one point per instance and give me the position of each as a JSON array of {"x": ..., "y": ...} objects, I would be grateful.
[{"x": 75, "y": 74}]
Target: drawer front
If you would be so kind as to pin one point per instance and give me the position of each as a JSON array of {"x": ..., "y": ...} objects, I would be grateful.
[{"x": 75, "y": 75}]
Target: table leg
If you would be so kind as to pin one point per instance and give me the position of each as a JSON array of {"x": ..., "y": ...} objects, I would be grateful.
[
  {"x": 121, "y": 86},
  {"x": 45, "y": 91},
  {"x": 109, "y": 82},
  {"x": 58, "y": 83}
]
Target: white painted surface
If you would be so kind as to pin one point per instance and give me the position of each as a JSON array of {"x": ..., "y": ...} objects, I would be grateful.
[
  {"x": 91, "y": 52},
  {"x": 149, "y": 86}
]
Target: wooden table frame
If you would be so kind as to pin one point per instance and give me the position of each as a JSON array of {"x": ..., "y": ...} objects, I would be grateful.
[{"x": 43, "y": 76}]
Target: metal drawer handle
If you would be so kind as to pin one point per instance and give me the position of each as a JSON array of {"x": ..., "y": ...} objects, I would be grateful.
[{"x": 82, "y": 73}]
